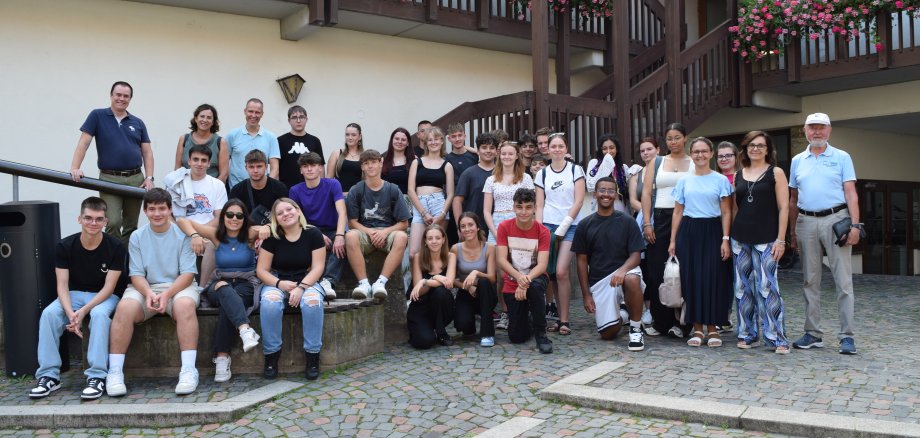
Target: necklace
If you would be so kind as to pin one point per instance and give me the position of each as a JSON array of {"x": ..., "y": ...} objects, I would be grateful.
[{"x": 750, "y": 196}]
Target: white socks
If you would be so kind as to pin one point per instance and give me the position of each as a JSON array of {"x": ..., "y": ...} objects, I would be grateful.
[
  {"x": 188, "y": 358},
  {"x": 364, "y": 282},
  {"x": 382, "y": 280},
  {"x": 116, "y": 362}
]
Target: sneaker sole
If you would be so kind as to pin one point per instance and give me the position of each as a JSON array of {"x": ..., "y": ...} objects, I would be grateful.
[
  {"x": 216, "y": 380},
  {"x": 90, "y": 397},
  {"x": 37, "y": 396},
  {"x": 355, "y": 296},
  {"x": 116, "y": 393},
  {"x": 636, "y": 348},
  {"x": 849, "y": 353},
  {"x": 805, "y": 347},
  {"x": 382, "y": 296},
  {"x": 246, "y": 348}
]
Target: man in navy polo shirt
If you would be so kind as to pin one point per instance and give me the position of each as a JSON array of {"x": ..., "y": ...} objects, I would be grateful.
[
  {"x": 822, "y": 184},
  {"x": 123, "y": 145}
]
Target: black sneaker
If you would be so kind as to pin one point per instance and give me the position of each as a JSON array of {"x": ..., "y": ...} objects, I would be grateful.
[
  {"x": 636, "y": 340},
  {"x": 445, "y": 340},
  {"x": 95, "y": 387},
  {"x": 46, "y": 385},
  {"x": 544, "y": 344}
]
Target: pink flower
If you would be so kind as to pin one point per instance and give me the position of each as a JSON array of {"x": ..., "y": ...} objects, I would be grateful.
[
  {"x": 879, "y": 46},
  {"x": 744, "y": 54},
  {"x": 899, "y": 4}
]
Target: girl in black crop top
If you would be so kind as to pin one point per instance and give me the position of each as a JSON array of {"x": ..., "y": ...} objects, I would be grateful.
[
  {"x": 344, "y": 164},
  {"x": 431, "y": 188},
  {"x": 432, "y": 304}
]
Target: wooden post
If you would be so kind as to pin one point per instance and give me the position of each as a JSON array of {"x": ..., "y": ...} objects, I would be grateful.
[
  {"x": 674, "y": 29},
  {"x": 793, "y": 61},
  {"x": 482, "y": 14},
  {"x": 431, "y": 11},
  {"x": 563, "y": 56},
  {"x": 332, "y": 12},
  {"x": 883, "y": 21},
  {"x": 619, "y": 32},
  {"x": 539, "y": 50},
  {"x": 610, "y": 47}
]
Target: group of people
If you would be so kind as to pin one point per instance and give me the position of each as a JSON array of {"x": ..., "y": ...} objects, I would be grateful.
[{"x": 264, "y": 229}]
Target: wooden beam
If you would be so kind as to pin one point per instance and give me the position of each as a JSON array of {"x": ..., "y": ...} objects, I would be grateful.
[
  {"x": 431, "y": 11},
  {"x": 539, "y": 50},
  {"x": 674, "y": 28},
  {"x": 563, "y": 53},
  {"x": 793, "y": 62},
  {"x": 620, "y": 33},
  {"x": 883, "y": 22},
  {"x": 609, "y": 47},
  {"x": 482, "y": 14}
]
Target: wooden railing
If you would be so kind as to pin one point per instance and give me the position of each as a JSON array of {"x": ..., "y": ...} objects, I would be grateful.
[
  {"x": 830, "y": 55},
  {"x": 707, "y": 76}
]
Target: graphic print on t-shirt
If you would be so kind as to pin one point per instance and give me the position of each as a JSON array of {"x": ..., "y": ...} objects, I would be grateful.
[
  {"x": 375, "y": 213},
  {"x": 298, "y": 148},
  {"x": 202, "y": 206},
  {"x": 523, "y": 253}
]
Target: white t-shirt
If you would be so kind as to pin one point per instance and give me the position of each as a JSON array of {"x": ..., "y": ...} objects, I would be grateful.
[
  {"x": 503, "y": 194},
  {"x": 559, "y": 188},
  {"x": 210, "y": 195}
]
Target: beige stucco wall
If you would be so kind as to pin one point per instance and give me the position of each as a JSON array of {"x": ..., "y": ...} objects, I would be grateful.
[{"x": 60, "y": 58}]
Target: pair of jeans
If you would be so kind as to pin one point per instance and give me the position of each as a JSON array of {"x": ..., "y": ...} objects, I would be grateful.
[
  {"x": 428, "y": 317},
  {"x": 528, "y": 317},
  {"x": 51, "y": 326},
  {"x": 334, "y": 265},
  {"x": 271, "y": 311},
  {"x": 468, "y": 306},
  {"x": 121, "y": 211},
  {"x": 232, "y": 300}
]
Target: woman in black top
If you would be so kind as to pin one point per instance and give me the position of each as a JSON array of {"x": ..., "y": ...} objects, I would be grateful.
[
  {"x": 290, "y": 264},
  {"x": 432, "y": 304},
  {"x": 760, "y": 215},
  {"x": 431, "y": 188},
  {"x": 397, "y": 158},
  {"x": 344, "y": 165}
]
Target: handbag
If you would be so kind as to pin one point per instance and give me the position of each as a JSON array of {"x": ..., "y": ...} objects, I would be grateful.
[
  {"x": 841, "y": 230},
  {"x": 669, "y": 292}
]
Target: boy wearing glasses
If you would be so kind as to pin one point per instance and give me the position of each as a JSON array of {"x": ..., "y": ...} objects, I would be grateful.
[
  {"x": 608, "y": 244},
  {"x": 87, "y": 266},
  {"x": 294, "y": 144}
]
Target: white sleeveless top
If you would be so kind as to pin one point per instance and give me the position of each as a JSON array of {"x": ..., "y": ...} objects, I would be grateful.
[{"x": 665, "y": 183}]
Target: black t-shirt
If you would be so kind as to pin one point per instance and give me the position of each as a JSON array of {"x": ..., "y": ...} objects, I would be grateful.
[
  {"x": 470, "y": 187},
  {"x": 398, "y": 175},
  {"x": 292, "y": 260},
  {"x": 266, "y": 197},
  {"x": 608, "y": 241},
  {"x": 376, "y": 209},
  {"x": 461, "y": 162},
  {"x": 88, "y": 269},
  {"x": 292, "y": 147}
]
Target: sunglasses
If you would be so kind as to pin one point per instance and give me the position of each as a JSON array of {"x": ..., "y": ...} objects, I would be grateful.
[{"x": 232, "y": 215}]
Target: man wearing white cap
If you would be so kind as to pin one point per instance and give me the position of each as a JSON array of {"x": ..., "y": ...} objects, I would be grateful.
[{"x": 822, "y": 184}]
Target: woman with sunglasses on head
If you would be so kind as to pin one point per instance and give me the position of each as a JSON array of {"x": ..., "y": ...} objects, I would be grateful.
[
  {"x": 702, "y": 213},
  {"x": 290, "y": 265},
  {"x": 658, "y": 184},
  {"x": 726, "y": 159},
  {"x": 233, "y": 286},
  {"x": 475, "y": 281},
  {"x": 607, "y": 162},
  {"x": 560, "y": 195},
  {"x": 344, "y": 164},
  {"x": 760, "y": 210}
]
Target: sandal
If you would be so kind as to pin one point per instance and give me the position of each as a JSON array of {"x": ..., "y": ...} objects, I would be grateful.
[
  {"x": 714, "y": 340},
  {"x": 562, "y": 327},
  {"x": 696, "y": 339},
  {"x": 782, "y": 349},
  {"x": 554, "y": 327}
]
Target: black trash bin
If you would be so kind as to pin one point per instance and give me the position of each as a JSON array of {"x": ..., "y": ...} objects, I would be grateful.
[{"x": 29, "y": 231}]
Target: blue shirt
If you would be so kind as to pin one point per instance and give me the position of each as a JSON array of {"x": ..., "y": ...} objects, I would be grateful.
[
  {"x": 700, "y": 195},
  {"x": 160, "y": 257},
  {"x": 118, "y": 144},
  {"x": 819, "y": 179},
  {"x": 241, "y": 142},
  {"x": 318, "y": 203}
]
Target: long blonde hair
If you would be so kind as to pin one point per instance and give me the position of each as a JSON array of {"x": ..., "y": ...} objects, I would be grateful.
[
  {"x": 426, "y": 256},
  {"x": 278, "y": 231},
  {"x": 437, "y": 132},
  {"x": 518, "y": 164}
]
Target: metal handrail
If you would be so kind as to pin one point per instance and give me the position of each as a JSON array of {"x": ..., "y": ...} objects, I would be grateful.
[{"x": 57, "y": 177}]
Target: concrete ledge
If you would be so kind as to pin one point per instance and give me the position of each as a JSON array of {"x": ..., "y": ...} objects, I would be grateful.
[
  {"x": 511, "y": 428},
  {"x": 574, "y": 389},
  {"x": 129, "y": 415}
]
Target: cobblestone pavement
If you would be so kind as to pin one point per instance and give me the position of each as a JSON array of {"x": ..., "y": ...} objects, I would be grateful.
[{"x": 464, "y": 389}]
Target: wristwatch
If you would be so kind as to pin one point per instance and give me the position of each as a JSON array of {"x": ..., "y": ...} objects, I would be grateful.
[
  {"x": 150, "y": 178},
  {"x": 858, "y": 227}
]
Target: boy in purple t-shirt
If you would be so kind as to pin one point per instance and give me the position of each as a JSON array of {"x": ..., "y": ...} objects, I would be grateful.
[{"x": 323, "y": 205}]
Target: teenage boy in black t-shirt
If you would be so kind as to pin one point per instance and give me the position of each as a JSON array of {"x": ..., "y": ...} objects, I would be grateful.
[
  {"x": 607, "y": 245},
  {"x": 294, "y": 144},
  {"x": 87, "y": 266},
  {"x": 260, "y": 191},
  {"x": 468, "y": 190}
]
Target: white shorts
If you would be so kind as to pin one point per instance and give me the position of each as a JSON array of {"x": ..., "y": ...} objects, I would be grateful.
[{"x": 607, "y": 300}]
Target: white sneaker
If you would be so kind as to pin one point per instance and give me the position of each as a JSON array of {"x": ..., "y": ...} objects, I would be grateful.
[
  {"x": 650, "y": 331},
  {"x": 327, "y": 289},
  {"x": 188, "y": 381},
  {"x": 676, "y": 332},
  {"x": 647, "y": 317},
  {"x": 361, "y": 291},
  {"x": 115, "y": 384},
  {"x": 221, "y": 370},
  {"x": 380, "y": 291},
  {"x": 250, "y": 339}
]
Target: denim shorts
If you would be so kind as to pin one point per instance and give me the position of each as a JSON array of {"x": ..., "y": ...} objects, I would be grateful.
[
  {"x": 432, "y": 202},
  {"x": 569, "y": 234}
]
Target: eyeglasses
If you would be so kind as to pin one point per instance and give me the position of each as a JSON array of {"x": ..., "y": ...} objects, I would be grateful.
[
  {"x": 757, "y": 146},
  {"x": 232, "y": 215},
  {"x": 726, "y": 157},
  {"x": 94, "y": 220},
  {"x": 298, "y": 118},
  {"x": 700, "y": 152},
  {"x": 606, "y": 191}
]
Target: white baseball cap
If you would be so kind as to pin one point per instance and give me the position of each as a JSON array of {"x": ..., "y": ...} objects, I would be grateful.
[{"x": 818, "y": 119}]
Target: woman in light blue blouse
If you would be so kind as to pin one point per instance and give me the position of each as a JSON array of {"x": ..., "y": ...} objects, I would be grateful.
[{"x": 702, "y": 213}]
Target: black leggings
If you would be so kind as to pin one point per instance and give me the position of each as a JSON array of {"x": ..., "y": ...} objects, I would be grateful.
[
  {"x": 468, "y": 306},
  {"x": 428, "y": 317}
]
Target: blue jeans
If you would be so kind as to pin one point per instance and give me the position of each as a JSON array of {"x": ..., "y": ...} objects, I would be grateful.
[
  {"x": 334, "y": 265},
  {"x": 271, "y": 310},
  {"x": 51, "y": 326}
]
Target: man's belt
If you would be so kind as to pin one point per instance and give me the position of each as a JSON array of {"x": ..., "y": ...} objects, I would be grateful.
[
  {"x": 823, "y": 213},
  {"x": 129, "y": 172}
]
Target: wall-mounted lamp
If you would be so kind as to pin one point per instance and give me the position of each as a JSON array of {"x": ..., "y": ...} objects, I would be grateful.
[{"x": 291, "y": 86}]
